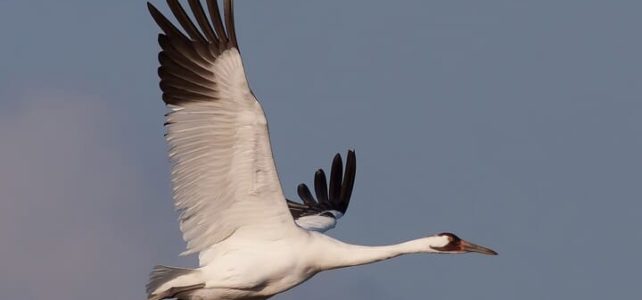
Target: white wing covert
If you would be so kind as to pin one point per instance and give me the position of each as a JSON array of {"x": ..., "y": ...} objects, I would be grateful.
[{"x": 223, "y": 174}]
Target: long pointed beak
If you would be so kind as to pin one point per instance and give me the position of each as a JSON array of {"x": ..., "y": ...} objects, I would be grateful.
[{"x": 470, "y": 247}]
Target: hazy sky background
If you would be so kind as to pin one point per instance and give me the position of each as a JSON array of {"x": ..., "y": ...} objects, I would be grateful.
[{"x": 515, "y": 124}]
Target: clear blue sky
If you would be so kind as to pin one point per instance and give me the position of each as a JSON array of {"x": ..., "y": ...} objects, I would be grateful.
[{"x": 515, "y": 124}]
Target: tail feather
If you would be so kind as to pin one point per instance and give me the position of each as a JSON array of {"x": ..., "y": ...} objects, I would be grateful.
[{"x": 161, "y": 275}]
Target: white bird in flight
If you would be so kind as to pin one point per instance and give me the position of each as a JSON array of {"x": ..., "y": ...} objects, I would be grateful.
[{"x": 251, "y": 242}]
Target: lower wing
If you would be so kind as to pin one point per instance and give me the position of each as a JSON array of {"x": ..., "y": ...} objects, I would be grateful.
[{"x": 331, "y": 203}]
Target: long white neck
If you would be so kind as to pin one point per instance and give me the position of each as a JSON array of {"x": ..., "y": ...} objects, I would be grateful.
[{"x": 333, "y": 254}]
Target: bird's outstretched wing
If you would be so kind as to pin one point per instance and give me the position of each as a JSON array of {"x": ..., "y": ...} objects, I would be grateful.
[
  {"x": 224, "y": 180},
  {"x": 322, "y": 213}
]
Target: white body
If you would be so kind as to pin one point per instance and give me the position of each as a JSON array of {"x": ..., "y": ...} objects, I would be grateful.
[{"x": 245, "y": 269}]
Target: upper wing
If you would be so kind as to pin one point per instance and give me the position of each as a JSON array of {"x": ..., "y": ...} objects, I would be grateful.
[
  {"x": 224, "y": 179},
  {"x": 322, "y": 214}
]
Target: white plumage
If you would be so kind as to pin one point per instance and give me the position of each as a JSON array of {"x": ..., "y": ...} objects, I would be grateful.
[
  {"x": 251, "y": 242},
  {"x": 317, "y": 222},
  {"x": 224, "y": 177}
]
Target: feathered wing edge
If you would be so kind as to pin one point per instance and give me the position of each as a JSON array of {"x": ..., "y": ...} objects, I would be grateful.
[
  {"x": 186, "y": 58},
  {"x": 331, "y": 201}
]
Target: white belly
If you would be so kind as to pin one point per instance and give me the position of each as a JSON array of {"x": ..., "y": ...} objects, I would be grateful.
[{"x": 254, "y": 271}]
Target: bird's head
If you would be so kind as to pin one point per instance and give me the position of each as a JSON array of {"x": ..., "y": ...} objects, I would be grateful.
[{"x": 449, "y": 243}]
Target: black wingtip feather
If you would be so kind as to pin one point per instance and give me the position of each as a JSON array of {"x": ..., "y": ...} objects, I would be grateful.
[
  {"x": 321, "y": 186},
  {"x": 348, "y": 180},
  {"x": 185, "y": 21},
  {"x": 217, "y": 21},
  {"x": 184, "y": 73},
  {"x": 336, "y": 179},
  {"x": 305, "y": 194},
  {"x": 201, "y": 18},
  {"x": 165, "y": 25},
  {"x": 341, "y": 186},
  {"x": 229, "y": 23}
]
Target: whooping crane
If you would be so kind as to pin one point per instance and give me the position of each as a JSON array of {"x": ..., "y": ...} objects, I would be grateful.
[{"x": 251, "y": 242}]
